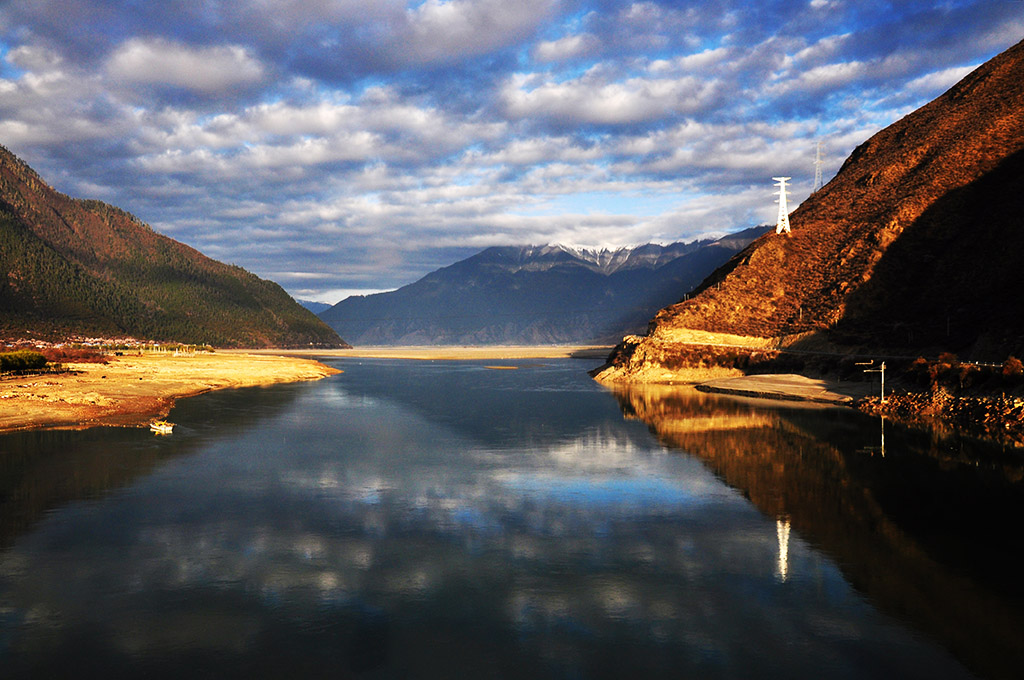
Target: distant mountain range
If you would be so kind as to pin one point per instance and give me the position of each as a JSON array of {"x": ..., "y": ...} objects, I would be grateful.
[
  {"x": 315, "y": 307},
  {"x": 915, "y": 246},
  {"x": 550, "y": 294},
  {"x": 76, "y": 267}
]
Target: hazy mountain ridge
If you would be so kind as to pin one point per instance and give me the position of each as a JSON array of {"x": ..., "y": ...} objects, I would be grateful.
[
  {"x": 74, "y": 266},
  {"x": 915, "y": 246},
  {"x": 549, "y": 294}
]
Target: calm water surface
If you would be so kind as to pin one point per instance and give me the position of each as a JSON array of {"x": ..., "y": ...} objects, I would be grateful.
[{"x": 440, "y": 520}]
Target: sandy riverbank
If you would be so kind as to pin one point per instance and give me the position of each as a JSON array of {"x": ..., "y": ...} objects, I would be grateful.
[
  {"x": 791, "y": 387},
  {"x": 443, "y": 353},
  {"x": 132, "y": 390}
]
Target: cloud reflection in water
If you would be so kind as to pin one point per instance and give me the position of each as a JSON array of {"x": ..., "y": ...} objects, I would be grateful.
[{"x": 572, "y": 543}]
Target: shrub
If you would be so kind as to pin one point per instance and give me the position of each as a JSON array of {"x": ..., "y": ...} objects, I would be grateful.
[
  {"x": 920, "y": 371},
  {"x": 968, "y": 375},
  {"x": 74, "y": 355},
  {"x": 1012, "y": 373},
  {"x": 21, "y": 360}
]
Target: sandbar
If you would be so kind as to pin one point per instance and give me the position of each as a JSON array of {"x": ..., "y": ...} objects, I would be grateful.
[
  {"x": 457, "y": 353},
  {"x": 131, "y": 390},
  {"x": 790, "y": 387}
]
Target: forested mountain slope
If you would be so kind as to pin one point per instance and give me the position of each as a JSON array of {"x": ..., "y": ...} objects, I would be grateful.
[{"x": 81, "y": 267}]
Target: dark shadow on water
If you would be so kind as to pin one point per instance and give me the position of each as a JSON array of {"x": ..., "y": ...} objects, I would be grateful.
[
  {"x": 926, "y": 530},
  {"x": 44, "y": 469}
]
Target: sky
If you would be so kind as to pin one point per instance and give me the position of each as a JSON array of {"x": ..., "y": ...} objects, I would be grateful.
[{"x": 351, "y": 146}]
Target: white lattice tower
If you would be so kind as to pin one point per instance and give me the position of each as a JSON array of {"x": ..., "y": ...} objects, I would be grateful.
[
  {"x": 783, "y": 224},
  {"x": 817, "y": 170}
]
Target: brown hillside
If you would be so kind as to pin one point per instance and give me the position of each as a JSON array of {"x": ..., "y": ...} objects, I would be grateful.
[
  {"x": 916, "y": 243},
  {"x": 83, "y": 267}
]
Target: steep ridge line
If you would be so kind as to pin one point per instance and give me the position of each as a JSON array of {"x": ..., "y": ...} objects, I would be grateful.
[{"x": 911, "y": 248}]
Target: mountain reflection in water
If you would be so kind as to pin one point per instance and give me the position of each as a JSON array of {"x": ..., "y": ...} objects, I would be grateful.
[
  {"x": 429, "y": 520},
  {"x": 44, "y": 469},
  {"x": 923, "y": 524}
]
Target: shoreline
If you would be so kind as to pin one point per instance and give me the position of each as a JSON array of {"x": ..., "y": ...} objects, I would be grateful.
[
  {"x": 998, "y": 418},
  {"x": 790, "y": 387},
  {"x": 448, "y": 352},
  {"x": 133, "y": 390},
  {"x": 992, "y": 411}
]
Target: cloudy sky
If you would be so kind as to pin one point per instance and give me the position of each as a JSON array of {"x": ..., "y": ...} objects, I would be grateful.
[{"x": 337, "y": 146}]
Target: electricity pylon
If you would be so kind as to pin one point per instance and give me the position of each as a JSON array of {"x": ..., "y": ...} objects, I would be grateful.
[
  {"x": 817, "y": 170},
  {"x": 783, "y": 224}
]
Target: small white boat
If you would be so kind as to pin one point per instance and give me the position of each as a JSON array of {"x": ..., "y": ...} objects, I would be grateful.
[{"x": 161, "y": 427}]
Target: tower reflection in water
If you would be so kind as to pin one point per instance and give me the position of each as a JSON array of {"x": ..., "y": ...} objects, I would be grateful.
[{"x": 782, "y": 531}]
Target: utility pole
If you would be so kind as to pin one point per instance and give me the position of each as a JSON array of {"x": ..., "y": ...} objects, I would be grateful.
[
  {"x": 782, "y": 226},
  {"x": 876, "y": 370}
]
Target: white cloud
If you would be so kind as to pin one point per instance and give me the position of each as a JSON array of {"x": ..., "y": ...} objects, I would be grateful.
[
  {"x": 539, "y": 150},
  {"x": 291, "y": 139},
  {"x": 699, "y": 62},
  {"x": 818, "y": 52},
  {"x": 828, "y": 76},
  {"x": 592, "y": 99},
  {"x": 335, "y": 295},
  {"x": 52, "y": 103},
  {"x": 203, "y": 69},
  {"x": 34, "y": 58},
  {"x": 358, "y": 146},
  {"x": 437, "y": 30},
  {"x": 939, "y": 81},
  {"x": 566, "y": 48}
]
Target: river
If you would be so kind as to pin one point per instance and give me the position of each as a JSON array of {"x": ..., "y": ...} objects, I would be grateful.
[{"x": 416, "y": 519}]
